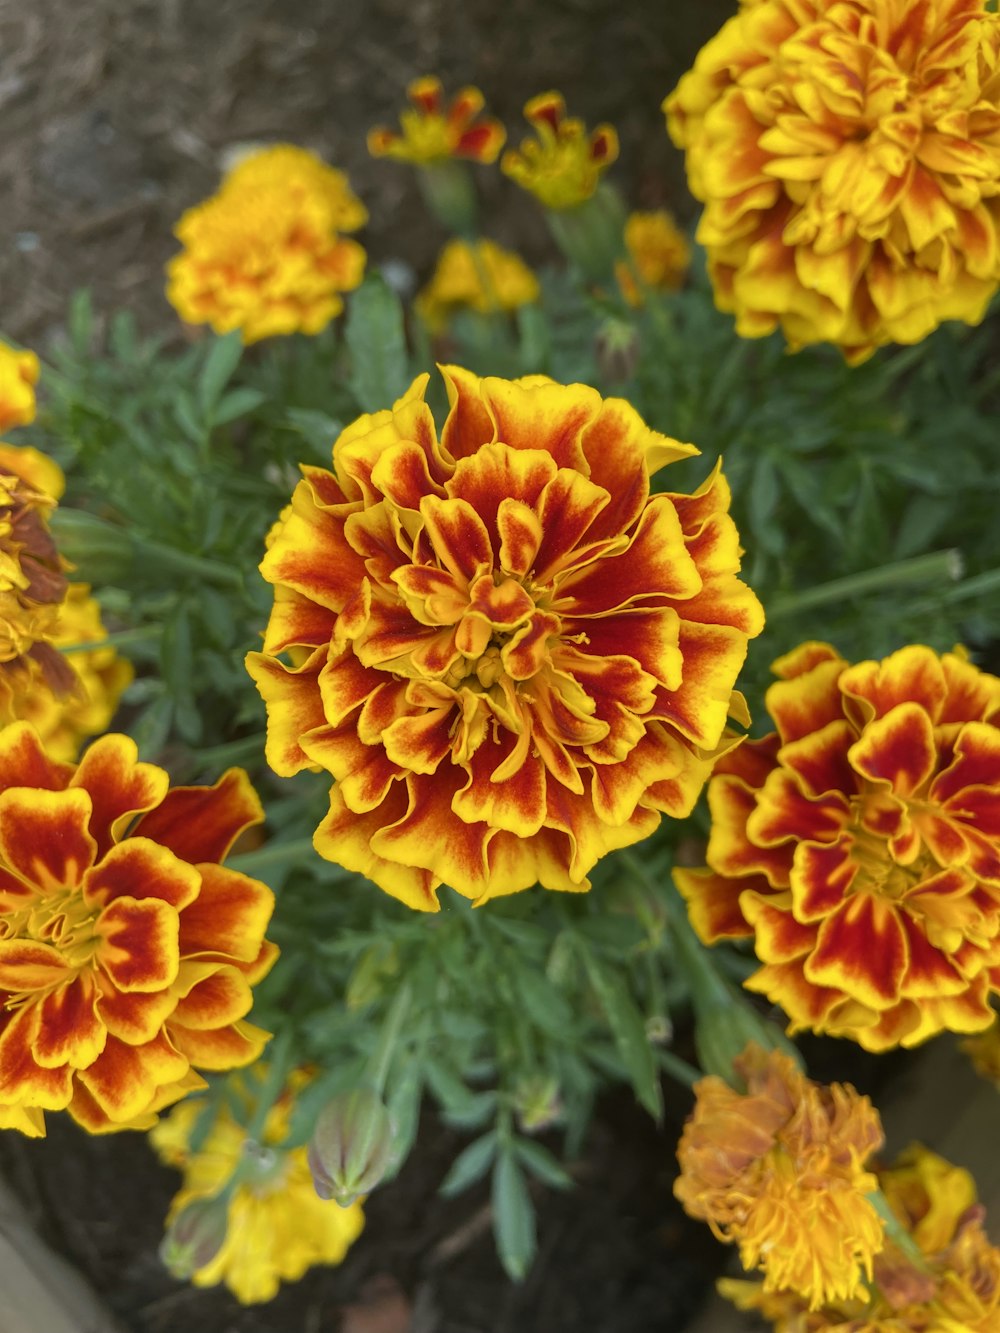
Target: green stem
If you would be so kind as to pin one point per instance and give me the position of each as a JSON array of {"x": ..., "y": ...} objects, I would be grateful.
[
  {"x": 382, "y": 1056},
  {"x": 213, "y": 571},
  {"x": 271, "y": 854},
  {"x": 896, "y": 1232},
  {"x": 123, "y": 638},
  {"x": 931, "y": 568},
  {"x": 987, "y": 582}
]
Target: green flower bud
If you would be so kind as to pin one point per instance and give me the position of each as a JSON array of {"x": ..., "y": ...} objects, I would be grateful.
[
  {"x": 351, "y": 1146},
  {"x": 195, "y": 1236}
]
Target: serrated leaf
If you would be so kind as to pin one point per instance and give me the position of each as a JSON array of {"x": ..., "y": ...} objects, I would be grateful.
[
  {"x": 629, "y": 1031},
  {"x": 513, "y": 1217},
  {"x": 542, "y": 1164},
  {"x": 470, "y": 1165},
  {"x": 218, "y": 368},
  {"x": 377, "y": 345}
]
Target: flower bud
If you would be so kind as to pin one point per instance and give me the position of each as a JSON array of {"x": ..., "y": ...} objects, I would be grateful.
[
  {"x": 351, "y": 1146},
  {"x": 538, "y": 1103},
  {"x": 618, "y": 348},
  {"x": 195, "y": 1236}
]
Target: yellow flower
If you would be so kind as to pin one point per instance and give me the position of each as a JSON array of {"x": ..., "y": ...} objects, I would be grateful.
[
  {"x": 847, "y": 153},
  {"x": 277, "y": 1225},
  {"x": 481, "y": 276},
  {"x": 562, "y": 165},
  {"x": 780, "y": 1171},
  {"x": 659, "y": 255},
  {"x": 433, "y": 133},
  {"x": 984, "y": 1052},
  {"x": 18, "y": 377},
  {"x": 265, "y": 254}
]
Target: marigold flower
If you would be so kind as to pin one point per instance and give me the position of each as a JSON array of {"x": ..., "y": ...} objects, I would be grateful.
[
  {"x": 562, "y": 165},
  {"x": 510, "y": 656},
  {"x": 127, "y": 951},
  {"x": 479, "y": 276},
  {"x": 432, "y": 132},
  {"x": 780, "y": 1171},
  {"x": 18, "y": 377},
  {"x": 277, "y": 1225},
  {"x": 265, "y": 255},
  {"x": 659, "y": 255},
  {"x": 860, "y": 846},
  {"x": 847, "y": 153}
]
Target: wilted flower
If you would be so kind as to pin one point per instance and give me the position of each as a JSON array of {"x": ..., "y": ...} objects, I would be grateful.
[
  {"x": 562, "y": 165},
  {"x": 18, "y": 377},
  {"x": 478, "y": 276},
  {"x": 265, "y": 254},
  {"x": 510, "y": 656},
  {"x": 431, "y": 132},
  {"x": 848, "y": 156},
  {"x": 860, "y": 846},
  {"x": 659, "y": 255},
  {"x": 780, "y": 1170},
  {"x": 127, "y": 952},
  {"x": 275, "y": 1226}
]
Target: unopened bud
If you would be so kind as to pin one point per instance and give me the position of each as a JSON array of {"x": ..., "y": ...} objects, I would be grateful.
[
  {"x": 195, "y": 1236},
  {"x": 351, "y": 1146},
  {"x": 618, "y": 347},
  {"x": 538, "y": 1103}
]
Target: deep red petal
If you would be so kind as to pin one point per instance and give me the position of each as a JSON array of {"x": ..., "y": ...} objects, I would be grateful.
[{"x": 202, "y": 823}]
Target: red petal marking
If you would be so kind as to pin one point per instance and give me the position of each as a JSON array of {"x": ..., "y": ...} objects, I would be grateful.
[
  {"x": 980, "y": 807},
  {"x": 425, "y": 94},
  {"x": 819, "y": 759},
  {"x": 655, "y": 564},
  {"x": 482, "y": 142},
  {"x": 520, "y": 534},
  {"x": 972, "y": 694},
  {"x": 516, "y": 803},
  {"x": 465, "y": 106},
  {"x": 618, "y": 787},
  {"x": 806, "y": 1004},
  {"x": 381, "y": 709},
  {"x": 231, "y": 1047},
  {"x": 141, "y": 868},
  {"x": 135, "y": 1018},
  {"x": 807, "y": 702},
  {"x": 730, "y": 851},
  {"x": 28, "y": 965},
  {"x": 618, "y": 446},
  {"x": 897, "y": 748},
  {"x": 976, "y": 764},
  {"x": 123, "y": 1080},
  {"x": 470, "y": 423},
  {"x": 118, "y": 785},
  {"x": 364, "y": 772},
  {"x": 884, "y": 814},
  {"x": 418, "y": 744},
  {"x": 14, "y": 892},
  {"x": 24, "y": 763},
  {"x": 546, "y": 109},
  {"x": 434, "y": 654},
  {"x": 402, "y": 475},
  {"x": 44, "y": 835},
  {"x": 344, "y": 685},
  {"x": 821, "y": 878},
  {"x": 712, "y": 498},
  {"x": 712, "y": 657},
  {"x": 498, "y": 474},
  {"x": 929, "y": 972},
  {"x": 294, "y": 707},
  {"x": 713, "y": 904},
  {"x": 804, "y": 658},
  {"x": 862, "y": 950},
  {"x": 228, "y": 919},
  {"x": 326, "y": 490},
  {"x": 553, "y": 753},
  {"x": 472, "y": 635},
  {"x": 752, "y": 760},
  {"x": 527, "y": 650},
  {"x": 430, "y": 837},
  {"x": 311, "y": 555},
  {"x": 603, "y": 145},
  {"x": 346, "y": 838},
  {"x": 70, "y": 1031},
  {"x": 779, "y": 938},
  {"x": 296, "y": 622},
  {"x": 913, "y": 675},
  {"x": 786, "y": 813},
  {"x": 202, "y": 823},
  {"x": 503, "y": 604},
  {"x": 379, "y": 538},
  {"x": 458, "y": 535},
  {"x": 139, "y": 949},
  {"x": 564, "y": 710},
  {"x": 216, "y": 997},
  {"x": 518, "y": 863},
  {"x": 947, "y": 843},
  {"x": 567, "y": 507},
  {"x": 543, "y": 415},
  {"x": 984, "y": 857},
  {"x": 590, "y": 838},
  {"x": 22, "y": 1081},
  {"x": 648, "y": 635}
]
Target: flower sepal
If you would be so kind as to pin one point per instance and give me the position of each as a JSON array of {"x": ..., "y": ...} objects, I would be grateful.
[{"x": 352, "y": 1146}]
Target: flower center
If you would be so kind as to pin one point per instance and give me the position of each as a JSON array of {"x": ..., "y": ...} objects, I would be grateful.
[{"x": 60, "y": 919}]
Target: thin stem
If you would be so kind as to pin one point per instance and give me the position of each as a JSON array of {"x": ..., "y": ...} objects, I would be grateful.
[
  {"x": 123, "y": 638},
  {"x": 896, "y": 1232},
  {"x": 381, "y": 1059},
  {"x": 929, "y": 568}
]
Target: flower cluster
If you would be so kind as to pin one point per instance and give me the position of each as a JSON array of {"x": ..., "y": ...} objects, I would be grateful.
[
  {"x": 127, "y": 951},
  {"x": 265, "y": 254},
  {"x": 848, "y": 156},
  {"x": 859, "y": 846},
  {"x": 780, "y": 1170},
  {"x": 510, "y": 656},
  {"x": 562, "y": 165},
  {"x": 431, "y": 132},
  {"x": 659, "y": 256},
  {"x": 477, "y": 275},
  {"x": 275, "y": 1225},
  {"x": 18, "y": 377}
]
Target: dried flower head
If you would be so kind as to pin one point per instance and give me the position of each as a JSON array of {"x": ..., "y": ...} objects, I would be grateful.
[
  {"x": 847, "y": 153},
  {"x": 433, "y": 132},
  {"x": 18, "y": 377},
  {"x": 859, "y": 846},
  {"x": 479, "y": 276},
  {"x": 659, "y": 256},
  {"x": 563, "y": 164},
  {"x": 510, "y": 656}
]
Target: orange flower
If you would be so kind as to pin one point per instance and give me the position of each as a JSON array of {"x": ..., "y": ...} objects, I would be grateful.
[
  {"x": 780, "y": 1170},
  {"x": 860, "y": 846},
  {"x": 562, "y": 165},
  {"x": 127, "y": 951},
  {"x": 510, "y": 656},
  {"x": 265, "y": 255},
  {"x": 18, "y": 377},
  {"x": 848, "y": 156},
  {"x": 659, "y": 255},
  {"x": 432, "y": 132}
]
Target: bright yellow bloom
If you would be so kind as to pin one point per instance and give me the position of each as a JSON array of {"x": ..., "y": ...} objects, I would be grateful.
[
  {"x": 265, "y": 254},
  {"x": 562, "y": 165},
  {"x": 481, "y": 276},
  {"x": 780, "y": 1171},
  {"x": 433, "y": 133},
  {"x": 847, "y": 153},
  {"x": 659, "y": 255},
  {"x": 277, "y": 1225},
  {"x": 511, "y": 656},
  {"x": 18, "y": 377}
]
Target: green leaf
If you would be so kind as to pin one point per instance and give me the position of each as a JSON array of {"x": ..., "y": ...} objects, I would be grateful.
[
  {"x": 152, "y": 727},
  {"x": 470, "y": 1165},
  {"x": 220, "y": 364},
  {"x": 513, "y": 1217},
  {"x": 543, "y": 1004},
  {"x": 377, "y": 345},
  {"x": 629, "y": 1031},
  {"x": 541, "y": 1163},
  {"x": 237, "y": 403},
  {"x": 403, "y": 1103}
]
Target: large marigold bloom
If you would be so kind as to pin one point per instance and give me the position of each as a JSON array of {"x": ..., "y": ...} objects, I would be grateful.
[
  {"x": 510, "y": 656},
  {"x": 432, "y": 132},
  {"x": 847, "y": 153},
  {"x": 18, "y": 377},
  {"x": 480, "y": 276},
  {"x": 265, "y": 254},
  {"x": 860, "y": 846},
  {"x": 127, "y": 951},
  {"x": 780, "y": 1170},
  {"x": 277, "y": 1225},
  {"x": 563, "y": 164}
]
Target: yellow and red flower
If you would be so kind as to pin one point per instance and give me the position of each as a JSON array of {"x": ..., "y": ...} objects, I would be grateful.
[
  {"x": 18, "y": 377},
  {"x": 859, "y": 846},
  {"x": 265, "y": 254},
  {"x": 659, "y": 255},
  {"x": 432, "y": 132},
  {"x": 479, "y": 276},
  {"x": 510, "y": 656},
  {"x": 563, "y": 164},
  {"x": 127, "y": 951},
  {"x": 847, "y": 153},
  {"x": 780, "y": 1170}
]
